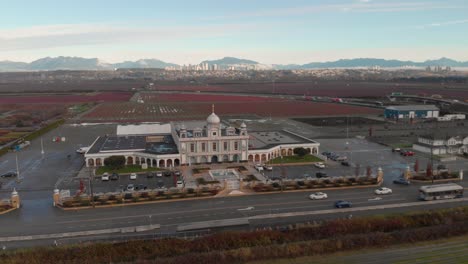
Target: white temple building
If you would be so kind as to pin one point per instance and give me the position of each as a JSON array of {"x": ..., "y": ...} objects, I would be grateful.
[{"x": 196, "y": 142}]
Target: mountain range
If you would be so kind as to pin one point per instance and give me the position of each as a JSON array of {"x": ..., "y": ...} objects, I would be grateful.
[{"x": 78, "y": 63}]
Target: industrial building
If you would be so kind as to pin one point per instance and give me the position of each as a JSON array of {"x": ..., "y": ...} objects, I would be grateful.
[{"x": 411, "y": 111}]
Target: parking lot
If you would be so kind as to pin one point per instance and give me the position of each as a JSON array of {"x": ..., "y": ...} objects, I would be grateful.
[
  {"x": 142, "y": 182},
  {"x": 362, "y": 153}
]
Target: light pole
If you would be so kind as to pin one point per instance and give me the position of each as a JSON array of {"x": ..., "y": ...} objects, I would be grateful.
[
  {"x": 17, "y": 168},
  {"x": 149, "y": 218},
  {"x": 42, "y": 148},
  {"x": 91, "y": 177}
]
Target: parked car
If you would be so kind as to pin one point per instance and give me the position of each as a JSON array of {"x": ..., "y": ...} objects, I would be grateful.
[
  {"x": 268, "y": 167},
  {"x": 342, "y": 204},
  {"x": 9, "y": 174},
  {"x": 396, "y": 149},
  {"x": 160, "y": 184},
  {"x": 401, "y": 181},
  {"x": 130, "y": 187},
  {"x": 407, "y": 153},
  {"x": 442, "y": 168},
  {"x": 320, "y": 174},
  {"x": 159, "y": 174},
  {"x": 258, "y": 167},
  {"x": 341, "y": 158},
  {"x": 140, "y": 187},
  {"x": 346, "y": 163},
  {"x": 167, "y": 173},
  {"x": 180, "y": 184},
  {"x": 319, "y": 165},
  {"x": 177, "y": 173},
  {"x": 133, "y": 176},
  {"x": 105, "y": 176},
  {"x": 383, "y": 190},
  {"x": 326, "y": 153},
  {"x": 318, "y": 196},
  {"x": 114, "y": 177}
]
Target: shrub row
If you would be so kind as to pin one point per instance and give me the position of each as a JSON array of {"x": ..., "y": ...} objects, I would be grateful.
[
  {"x": 45, "y": 129},
  {"x": 325, "y": 183}
]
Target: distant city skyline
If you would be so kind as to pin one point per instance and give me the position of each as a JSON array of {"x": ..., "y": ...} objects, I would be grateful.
[{"x": 281, "y": 32}]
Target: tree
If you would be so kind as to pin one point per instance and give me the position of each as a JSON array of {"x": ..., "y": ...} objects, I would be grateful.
[
  {"x": 301, "y": 152},
  {"x": 429, "y": 170},
  {"x": 115, "y": 162}
]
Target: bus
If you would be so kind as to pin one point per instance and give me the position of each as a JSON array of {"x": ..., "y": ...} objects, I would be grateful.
[{"x": 440, "y": 191}]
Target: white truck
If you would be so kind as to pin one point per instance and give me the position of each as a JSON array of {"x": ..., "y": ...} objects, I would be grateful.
[{"x": 82, "y": 150}]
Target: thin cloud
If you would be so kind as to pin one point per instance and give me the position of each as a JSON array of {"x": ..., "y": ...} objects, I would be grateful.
[
  {"x": 38, "y": 37},
  {"x": 363, "y": 6},
  {"x": 441, "y": 24}
]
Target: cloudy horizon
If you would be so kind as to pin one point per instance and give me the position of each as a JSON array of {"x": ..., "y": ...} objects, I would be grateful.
[{"x": 273, "y": 32}]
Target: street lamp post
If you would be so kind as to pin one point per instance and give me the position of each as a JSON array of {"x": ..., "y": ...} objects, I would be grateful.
[
  {"x": 42, "y": 148},
  {"x": 91, "y": 177}
]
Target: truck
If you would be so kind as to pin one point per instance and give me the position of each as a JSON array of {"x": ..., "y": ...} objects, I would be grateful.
[
  {"x": 82, "y": 150},
  {"x": 451, "y": 117}
]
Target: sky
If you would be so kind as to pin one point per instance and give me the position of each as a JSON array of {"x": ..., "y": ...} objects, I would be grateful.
[{"x": 268, "y": 31}]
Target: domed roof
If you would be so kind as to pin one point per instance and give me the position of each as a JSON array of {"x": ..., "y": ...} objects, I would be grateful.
[
  {"x": 243, "y": 125},
  {"x": 213, "y": 119}
]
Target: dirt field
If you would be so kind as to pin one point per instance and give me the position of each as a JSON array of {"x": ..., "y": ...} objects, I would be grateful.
[
  {"x": 66, "y": 99},
  {"x": 167, "y": 111},
  {"x": 339, "y": 121},
  {"x": 336, "y": 88},
  {"x": 331, "y": 88}
]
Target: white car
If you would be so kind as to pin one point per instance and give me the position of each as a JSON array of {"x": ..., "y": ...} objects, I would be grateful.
[
  {"x": 318, "y": 196},
  {"x": 180, "y": 184},
  {"x": 259, "y": 167},
  {"x": 319, "y": 165},
  {"x": 383, "y": 190},
  {"x": 133, "y": 176},
  {"x": 268, "y": 167},
  {"x": 159, "y": 174},
  {"x": 105, "y": 176}
]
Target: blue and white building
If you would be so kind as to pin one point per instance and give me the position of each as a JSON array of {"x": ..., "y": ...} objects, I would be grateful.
[{"x": 411, "y": 111}]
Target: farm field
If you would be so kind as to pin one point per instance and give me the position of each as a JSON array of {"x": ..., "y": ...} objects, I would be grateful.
[
  {"x": 330, "y": 88},
  {"x": 168, "y": 111},
  {"x": 66, "y": 99},
  {"x": 194, "y": 97}
]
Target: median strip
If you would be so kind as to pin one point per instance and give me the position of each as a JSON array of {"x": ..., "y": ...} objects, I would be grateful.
[{"x": 133, "y": 229}]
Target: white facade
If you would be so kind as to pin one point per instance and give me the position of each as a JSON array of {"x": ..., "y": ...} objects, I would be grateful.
[
  {"x": 452, "y": 145},
  {"x": 212, "y": 143}
]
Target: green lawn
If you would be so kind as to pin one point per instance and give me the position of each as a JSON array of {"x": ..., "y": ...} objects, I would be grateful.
[
  {"x": 126, "y": 169},
  {"x": 295, "y": 159}
]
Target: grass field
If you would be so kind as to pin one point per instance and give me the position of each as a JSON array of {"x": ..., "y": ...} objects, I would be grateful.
[
  {"x": 453, "y": 250},
  {"x": 295, "y": 159}
]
